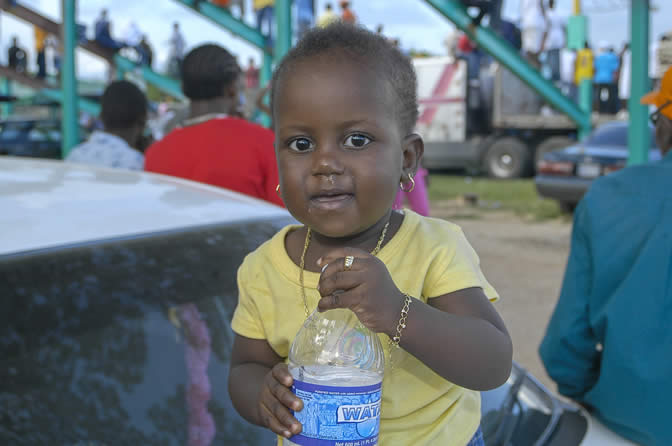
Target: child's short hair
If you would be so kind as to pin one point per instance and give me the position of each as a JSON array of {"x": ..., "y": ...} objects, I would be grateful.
[
  {"x": 368, "y": 48},
  {"x": 207, "y": 70}
]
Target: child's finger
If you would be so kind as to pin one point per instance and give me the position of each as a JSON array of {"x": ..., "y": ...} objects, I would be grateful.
[
  {"x": 336, "y": 279},
  {"x": 270, "y": 421},
  {"x": 344, "y": 299},
  {"x": 285, "y": 396},
  {"x": 281, "y": 374}
]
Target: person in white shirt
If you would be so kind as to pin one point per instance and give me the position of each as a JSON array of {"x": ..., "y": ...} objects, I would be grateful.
[
  {"x": 624, "y": 76},
  {"x": 533, "y": 24},
  {"x": 555, "y": 38},
  {"x": 176, "y": 53},
  {"x": 124, "y": 116}
]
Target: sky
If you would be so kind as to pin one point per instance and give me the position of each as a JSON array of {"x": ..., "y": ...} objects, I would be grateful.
[{"x": 417, "y": 25}]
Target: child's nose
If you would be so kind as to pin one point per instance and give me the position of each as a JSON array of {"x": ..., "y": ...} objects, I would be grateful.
[{"x": 327, "y": 160}]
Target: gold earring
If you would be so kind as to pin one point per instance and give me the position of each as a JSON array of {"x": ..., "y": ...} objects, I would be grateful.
[
  {"x": 401, "y": 184},
  {"x": 277, "y": 190}
]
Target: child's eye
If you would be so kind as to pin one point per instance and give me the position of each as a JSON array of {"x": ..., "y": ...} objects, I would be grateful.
[
  {"x": 300, "y": 144},
  {"x": 357, "y": 140}
]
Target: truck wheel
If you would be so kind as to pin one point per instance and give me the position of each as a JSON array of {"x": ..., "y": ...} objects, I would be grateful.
[
  {"x": 549, "y": 145},
  {"x": 507, "y": 157}
]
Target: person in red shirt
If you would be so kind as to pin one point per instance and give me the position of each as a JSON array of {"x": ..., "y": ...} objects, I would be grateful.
[
  {"x": 347, "y": 15},
  {"x": 214, "y": 145}
]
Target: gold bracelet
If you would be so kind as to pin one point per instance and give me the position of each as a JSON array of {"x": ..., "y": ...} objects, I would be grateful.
[{"x": 394, "y": 342}]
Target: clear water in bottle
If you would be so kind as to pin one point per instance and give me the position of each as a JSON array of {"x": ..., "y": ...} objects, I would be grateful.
[{"x": 337, "y": 365}]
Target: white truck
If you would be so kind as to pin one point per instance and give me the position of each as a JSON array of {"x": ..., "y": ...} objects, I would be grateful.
[{"x": 495, "y": 123}]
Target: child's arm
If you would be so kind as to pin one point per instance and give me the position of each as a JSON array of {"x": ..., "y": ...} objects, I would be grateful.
[
  {"x": 259, "y": 384},
  {"x": 458, "y": 335}
]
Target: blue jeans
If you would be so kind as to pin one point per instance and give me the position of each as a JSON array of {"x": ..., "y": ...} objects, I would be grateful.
[
  {"x": 265, "y": 17},
  {"x": 477, "y": 439}
]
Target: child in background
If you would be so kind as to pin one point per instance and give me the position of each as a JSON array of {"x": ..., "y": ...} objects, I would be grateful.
[
  {"x": 344, "y": 107},
  {"x": 416, "y": 195}
]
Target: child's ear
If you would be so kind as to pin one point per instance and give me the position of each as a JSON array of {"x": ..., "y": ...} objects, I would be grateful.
[{"x": 413, "y": 147}]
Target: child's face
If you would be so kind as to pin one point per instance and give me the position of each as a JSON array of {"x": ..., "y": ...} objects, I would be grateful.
[{"x": 339, "y": 147}]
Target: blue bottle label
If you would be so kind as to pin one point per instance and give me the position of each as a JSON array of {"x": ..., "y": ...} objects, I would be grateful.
[{"x": 338, "y": 416}]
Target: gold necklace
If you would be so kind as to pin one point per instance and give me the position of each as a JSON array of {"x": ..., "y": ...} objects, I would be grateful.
[{"x": 302, "y": 265}]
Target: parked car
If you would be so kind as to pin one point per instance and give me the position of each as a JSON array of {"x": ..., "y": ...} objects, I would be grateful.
[
  {"x": 117, "y": 291},
  {"x": 39, "y": 138},
  {"x": 565, "y": 175}
]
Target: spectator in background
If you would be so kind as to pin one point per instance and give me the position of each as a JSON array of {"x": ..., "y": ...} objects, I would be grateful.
[
  {"x": 533, "y": 23},
  {"x": 264, "y": 11},
  {"x": 213, "y": 145},
  {"x": 133, "y": 39},
  {"x": 251, "y": 75},
  {"x": 555, "y": 38},
  {"x": 17, "y": 58},
  {"x": 124, "y": 116},
  {"x": 176, "y": 51},
  {"x": 606, "y": 78},
  {"x": 103, "y": 34},
  {"x": 624, "y": 73},
  {"x": 40, "y": 46},
  {"x": 567, "y": 62},
  {"x": 327, "y": 17},
  {"x": 608, "y": 342},
  {"x": 584, "y": 68},
  {"x": 347, "y": 15},
  {"x": 147, "y": 52},
  {"x": 305, "y": 16}
]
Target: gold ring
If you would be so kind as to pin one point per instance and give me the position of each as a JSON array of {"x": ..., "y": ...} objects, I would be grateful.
[{"x": 347, "y": 263}]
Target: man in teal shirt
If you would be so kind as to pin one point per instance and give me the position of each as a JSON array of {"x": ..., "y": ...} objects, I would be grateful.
[{"x": 609, "y": 342}]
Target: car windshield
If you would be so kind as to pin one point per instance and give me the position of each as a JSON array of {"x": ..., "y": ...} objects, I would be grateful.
[
  {"x": 615, "y": 136},
  {"x": 124, "y": 342}
]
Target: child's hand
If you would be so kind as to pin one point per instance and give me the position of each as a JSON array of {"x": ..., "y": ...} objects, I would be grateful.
[
  {"x": 366, "y": 288},
  {"x": 276, "y": 399}
]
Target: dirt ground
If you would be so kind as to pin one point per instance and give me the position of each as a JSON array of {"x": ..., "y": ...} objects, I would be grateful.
[{"x": 525, "y": 262}]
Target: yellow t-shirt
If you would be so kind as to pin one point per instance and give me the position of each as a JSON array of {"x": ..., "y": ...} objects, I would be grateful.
[
  {"x": 426, "y": 258},
  {"x": 584, "y": 66},
  {"x": 327, "y": 18},
  {"x": 258, "y": 4}
]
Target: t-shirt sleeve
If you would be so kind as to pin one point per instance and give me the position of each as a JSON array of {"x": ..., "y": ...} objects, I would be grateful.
[
  {"x": 246, "y": 318},
  {"x": 456, "y": 266}
]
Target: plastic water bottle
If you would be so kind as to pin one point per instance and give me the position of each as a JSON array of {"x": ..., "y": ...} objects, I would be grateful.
[{"x": 337, "y": 365}]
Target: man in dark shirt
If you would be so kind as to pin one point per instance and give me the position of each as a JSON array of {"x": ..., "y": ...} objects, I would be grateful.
[{"x": 16, "y": 56}]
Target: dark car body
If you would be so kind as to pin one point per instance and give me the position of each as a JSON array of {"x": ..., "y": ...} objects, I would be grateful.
[
  {"x": 565, "y": 175},
  {"x": 38, "y": 138}
]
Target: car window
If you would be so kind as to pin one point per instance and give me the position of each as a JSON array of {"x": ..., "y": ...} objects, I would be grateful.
[
  {"x": 124, "y": 342},
  {"x": 610, "y": 135},
  {"x": 37, "y": 135},
  {"x": 49, "y": 130},
  {"x": 13, "y": 130},
  {"x": 615, "y": 135}
]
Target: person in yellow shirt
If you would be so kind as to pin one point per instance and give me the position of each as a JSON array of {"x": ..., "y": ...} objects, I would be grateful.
[
  {"x": 344, "y": 107},
  {"x": 40, "y": 45},
  {"x": 264, "y": 11},
  {"x": 327, "y": 17},
  {"x": 584, "y": 66}
]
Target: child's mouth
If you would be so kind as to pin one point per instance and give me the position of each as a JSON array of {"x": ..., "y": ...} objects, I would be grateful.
[{"x": 331, "y": 201}]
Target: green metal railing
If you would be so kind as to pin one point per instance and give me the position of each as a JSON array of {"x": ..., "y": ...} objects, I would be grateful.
[
  {"x": 166, "y": 84},
  {"x": 508, "y": 56},
  {"x": 639, "y": 138},
  {"x": 68, "y": 93}
]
